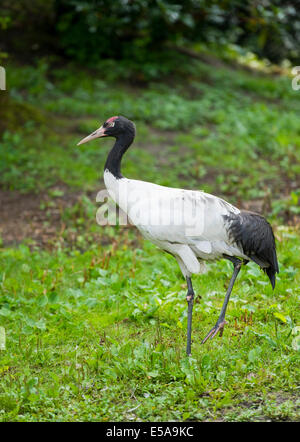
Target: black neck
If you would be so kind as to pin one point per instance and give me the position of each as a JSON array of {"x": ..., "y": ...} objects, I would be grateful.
[{"x": 113, "y": 162}]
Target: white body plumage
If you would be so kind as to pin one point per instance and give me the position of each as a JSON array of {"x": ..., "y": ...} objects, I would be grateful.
[{"x": 188, "y": 224}]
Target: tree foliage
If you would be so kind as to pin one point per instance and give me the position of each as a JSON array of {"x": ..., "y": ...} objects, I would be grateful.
[{"x": 89, "y": 31}]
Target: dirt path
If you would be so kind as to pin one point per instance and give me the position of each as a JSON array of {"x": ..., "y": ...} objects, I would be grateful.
[{"x": 31, "y": 216}]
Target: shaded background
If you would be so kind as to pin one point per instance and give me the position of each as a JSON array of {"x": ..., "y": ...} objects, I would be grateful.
[
  {"x": 95, "y": 317},
  {"x": 124, "y": 29},
  {"x": 189, "y": 73},
  {"x": 199, "y": 69}
]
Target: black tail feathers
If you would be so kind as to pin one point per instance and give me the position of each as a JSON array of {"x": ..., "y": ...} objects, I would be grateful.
[
  {"x": 273, "y": 268},
  {"x": 255, "y": 235},
  {"x": 272, "y": 276}
]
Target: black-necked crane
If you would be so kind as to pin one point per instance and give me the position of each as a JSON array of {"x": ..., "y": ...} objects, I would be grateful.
[{"x": 193, "y": 226}]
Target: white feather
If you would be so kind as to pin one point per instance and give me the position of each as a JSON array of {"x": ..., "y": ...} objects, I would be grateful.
[{"x": 188, "y": 224}]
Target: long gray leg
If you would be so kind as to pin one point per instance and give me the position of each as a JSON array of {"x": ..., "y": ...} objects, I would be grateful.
[
  {"x": 190, "y": 300},
  {"x": 219, "y": 327}
]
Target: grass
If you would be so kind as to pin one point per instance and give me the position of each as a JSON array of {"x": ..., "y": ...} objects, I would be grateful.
[
  {"x": 204, "y": 132},
  {"x": 88, "y": 341},
  {"x": 95, "y": 320}
]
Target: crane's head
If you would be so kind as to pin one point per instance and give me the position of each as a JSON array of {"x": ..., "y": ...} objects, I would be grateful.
[{"x": 113, "y": 127}]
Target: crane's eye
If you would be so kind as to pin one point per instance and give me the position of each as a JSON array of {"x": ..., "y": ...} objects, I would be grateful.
[{"x": 111, "y": 124}]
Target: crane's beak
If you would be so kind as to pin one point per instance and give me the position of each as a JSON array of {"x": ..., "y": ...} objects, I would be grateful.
[{"x": 97, "y": 134}]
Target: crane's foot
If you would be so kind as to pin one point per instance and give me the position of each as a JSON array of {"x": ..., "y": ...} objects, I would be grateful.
[{"x": 219, "y": 327}]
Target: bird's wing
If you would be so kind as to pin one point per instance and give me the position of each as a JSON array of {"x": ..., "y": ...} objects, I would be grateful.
[{"x": 180, "y": 216}]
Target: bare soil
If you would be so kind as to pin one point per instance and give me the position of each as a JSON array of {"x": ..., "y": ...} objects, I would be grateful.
[{"x": 25, "y": 216}]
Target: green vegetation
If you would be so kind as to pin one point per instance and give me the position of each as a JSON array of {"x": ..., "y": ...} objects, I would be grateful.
[
  {"x": 95, "y": 319},
  {"x": 100, "y": 335},
  {"x": 140, "y": 31},
  {"x": 203, "y": 130}
]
